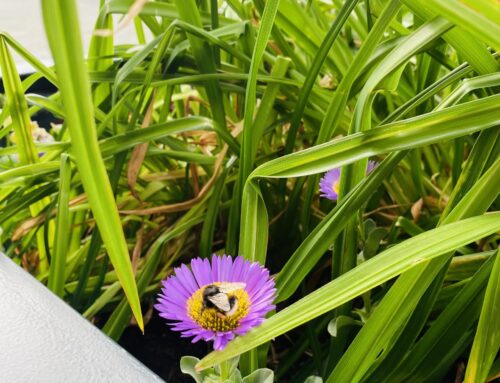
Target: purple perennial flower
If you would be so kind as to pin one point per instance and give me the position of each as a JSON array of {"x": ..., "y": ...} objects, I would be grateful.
[
  {"x": 329, "y": 184},
  {"x": 217, "y": 300}
]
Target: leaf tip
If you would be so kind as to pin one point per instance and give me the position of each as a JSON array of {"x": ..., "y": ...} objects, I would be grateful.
[
  {"x": 140, "y": 323},
  {"x": 199, "y": 367}
]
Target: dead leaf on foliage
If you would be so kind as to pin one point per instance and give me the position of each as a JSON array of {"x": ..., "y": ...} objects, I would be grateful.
[
  {"x": 133, "y": 11},
  {"x": 416, "y": 209},
  {"x": 136, "y": 253},
  {"x": 139, "y": 153}
]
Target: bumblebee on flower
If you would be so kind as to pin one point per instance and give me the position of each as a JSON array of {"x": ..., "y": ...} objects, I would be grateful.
[{"x": 217, "y": 300}]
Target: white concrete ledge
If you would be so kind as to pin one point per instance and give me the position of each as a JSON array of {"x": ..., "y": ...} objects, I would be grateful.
[{"x": 42, "y": 339}]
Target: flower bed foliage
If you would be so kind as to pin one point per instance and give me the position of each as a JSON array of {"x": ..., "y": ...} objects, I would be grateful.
[{"x": 212, "y": 135}]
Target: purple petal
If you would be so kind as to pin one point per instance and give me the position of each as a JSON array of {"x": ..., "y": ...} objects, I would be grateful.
[
  {"x": 371, "y": 166},
  {"x": 240, "y": 269},
  {"x": 186, "y": 276},
  {"x": 226, "y": 268},
  {"x": 202, "y": 271},
  {"x": 327, "y": 182},
  {"x": 215, "y": 268}
]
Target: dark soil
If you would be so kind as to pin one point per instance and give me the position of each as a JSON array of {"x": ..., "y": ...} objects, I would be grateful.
[{"x": 161, "y": 349}]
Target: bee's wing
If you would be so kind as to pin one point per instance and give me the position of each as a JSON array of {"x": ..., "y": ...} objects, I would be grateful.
[
  {"x": 229, "y": 287},
  {"x": 220, "y": 301}
]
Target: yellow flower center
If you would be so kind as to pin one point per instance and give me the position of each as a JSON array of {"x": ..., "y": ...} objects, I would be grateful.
[
  {"x": 335, "y": 186},
  {"x": 211, "y": 318}
]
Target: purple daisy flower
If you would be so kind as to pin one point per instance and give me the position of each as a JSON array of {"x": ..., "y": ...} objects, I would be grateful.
[
  {"x": 218, "y": 300},
  {"x": 329, "y": 184}
]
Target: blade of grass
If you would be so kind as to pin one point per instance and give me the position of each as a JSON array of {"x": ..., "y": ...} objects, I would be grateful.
[
  {"x": 30, "y": 58},
  {"x": 413, "y": 132},
  {"x": 406, "y": 134},
  {"x": 431, "y": 357},
  {"x": 62, "y": 27},
  {"x": 249, "y": 133},
  {"x": 379, "y": 334},
  {"x": 21, "y": 124},
  {"x": 29, "y": 170},
  {"x": 204, "y": 57},
  {"x": 336, "y": 108},
  {"x": 386, "y": 265},
  {"x": 487, "y": 339},
  {"x": 120, "y": 317},
  {"x": 157, "y": 8},
  {"x": 468, "y": 47},
  {"x": 62, "y": 233},
  {"x": 312, "y": 74},
  {"x": 478, "y": 21}
]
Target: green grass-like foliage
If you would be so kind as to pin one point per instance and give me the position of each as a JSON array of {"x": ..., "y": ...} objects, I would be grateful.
[{"x": 210, "y": 135}]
